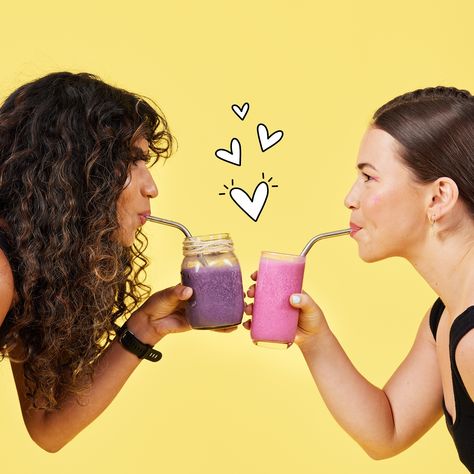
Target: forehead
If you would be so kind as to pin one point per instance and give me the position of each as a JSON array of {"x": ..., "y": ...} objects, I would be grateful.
[
  {"x": 379, "y": 149},
  {"x": 376, "y": 142}
]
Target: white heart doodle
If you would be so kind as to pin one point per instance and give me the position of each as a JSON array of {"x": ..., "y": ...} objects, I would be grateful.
[
  {"x": 267, "y": 141},
  {"x": 241, "y": 112},
  {"x": 251, "y": 206},
  {"x": 234, "y": 156}
]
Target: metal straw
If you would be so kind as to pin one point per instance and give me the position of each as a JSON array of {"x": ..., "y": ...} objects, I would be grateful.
[
  {"x": 326, "y": 235},
  {"x": 179, "y": 226},
  {"x": 182, "y": 228}
]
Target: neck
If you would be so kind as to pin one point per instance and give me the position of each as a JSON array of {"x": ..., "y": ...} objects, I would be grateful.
[{"x": 447, "y": 265}]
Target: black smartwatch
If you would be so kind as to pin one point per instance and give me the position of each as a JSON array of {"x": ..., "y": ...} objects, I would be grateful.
[{"x": 130, "y": 342}]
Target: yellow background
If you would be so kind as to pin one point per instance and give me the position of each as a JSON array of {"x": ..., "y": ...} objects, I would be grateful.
[{"x": 317, "y": 70}]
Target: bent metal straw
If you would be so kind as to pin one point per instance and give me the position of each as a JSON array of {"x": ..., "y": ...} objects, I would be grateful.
[
  {"x": 160, "y": 220},
  {"x": 304, "y": 252},
  {"x": 181, "y": 227},
  {"x": 325, "y": 235}
]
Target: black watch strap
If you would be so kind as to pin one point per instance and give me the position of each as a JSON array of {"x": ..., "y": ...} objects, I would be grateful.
[{"x": 132, "y": 344}]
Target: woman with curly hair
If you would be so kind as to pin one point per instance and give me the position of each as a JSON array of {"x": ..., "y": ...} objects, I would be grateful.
[{"x": 74, "y": 192}]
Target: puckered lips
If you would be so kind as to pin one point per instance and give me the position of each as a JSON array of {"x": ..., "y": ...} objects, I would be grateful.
[
  {"x": 143, "y": 215},
  {"x": 354, "y": 229}
]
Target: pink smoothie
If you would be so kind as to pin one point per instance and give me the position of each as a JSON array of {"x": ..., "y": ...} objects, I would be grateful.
[{"x": 274, "y": 319}]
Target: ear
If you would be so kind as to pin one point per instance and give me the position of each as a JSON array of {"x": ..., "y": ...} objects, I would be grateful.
[{"x": 444, "y": 195}]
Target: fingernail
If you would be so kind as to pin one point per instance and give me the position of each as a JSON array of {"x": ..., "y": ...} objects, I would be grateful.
[
  {"x": 296, "y": 299},
  {"x": 186, "y": 292}
]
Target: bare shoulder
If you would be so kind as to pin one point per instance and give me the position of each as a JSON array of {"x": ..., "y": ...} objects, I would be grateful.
[
  {"x": 7, "y": 286},
  {"x": 465, "y": 361},
  {"x": 424, "y": 330}
]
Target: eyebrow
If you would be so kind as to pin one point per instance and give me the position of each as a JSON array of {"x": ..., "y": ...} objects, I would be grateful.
[{"x": 363, "y": 165}]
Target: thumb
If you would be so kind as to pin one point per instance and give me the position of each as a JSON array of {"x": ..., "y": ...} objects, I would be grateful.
[
  {"x": 174, "y": 294},
  {"x": 183, "y": 292},
  {"x": 304, "y": 302},
  {"x": 166, "y": 301}
]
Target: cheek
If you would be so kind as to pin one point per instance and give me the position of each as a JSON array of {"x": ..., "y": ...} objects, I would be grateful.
[
  {"x": 379, "y": 210},
  {"x": 375, "y": 200},
  {"x": 375, "y": 205},
  {"x": 122, "y": 203}
]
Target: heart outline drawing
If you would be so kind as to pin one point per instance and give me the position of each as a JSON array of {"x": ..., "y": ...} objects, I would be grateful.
[
  {"x": 241, "y": 112},
  {"x": 234, "y": 156},
  {"x": 267, "y": 141},
  {"x": 252, "y": 206}
]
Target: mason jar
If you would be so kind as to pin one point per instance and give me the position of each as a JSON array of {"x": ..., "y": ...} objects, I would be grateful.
[{"x": 212, "y": 270}]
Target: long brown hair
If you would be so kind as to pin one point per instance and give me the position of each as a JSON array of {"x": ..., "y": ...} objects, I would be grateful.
[
  {"x": 435, "y": 128},
  {"x": 65, "y": 155}
]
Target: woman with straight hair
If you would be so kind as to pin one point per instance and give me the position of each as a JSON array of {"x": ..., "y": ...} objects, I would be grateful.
[{"x": 413, "y": 198}]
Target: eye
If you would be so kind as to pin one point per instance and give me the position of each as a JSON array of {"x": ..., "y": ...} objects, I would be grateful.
[{"x": 367, "y": 177}]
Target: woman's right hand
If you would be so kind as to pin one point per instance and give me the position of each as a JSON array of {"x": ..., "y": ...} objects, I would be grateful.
[
  {"x": 164, "y": 313},
  {"x": 161, "y": 314},
  {"x": 311, "y": 320}
]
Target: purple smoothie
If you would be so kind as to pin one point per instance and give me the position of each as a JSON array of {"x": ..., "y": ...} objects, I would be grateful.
[{"x": 217, "y": 299}]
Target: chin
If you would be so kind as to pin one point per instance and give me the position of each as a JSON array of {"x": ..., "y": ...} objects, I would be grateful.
[
  {"x": 126, "y": 240},
  {"x": 129, "y": 242},
  {"x": 371, "y": 257}
]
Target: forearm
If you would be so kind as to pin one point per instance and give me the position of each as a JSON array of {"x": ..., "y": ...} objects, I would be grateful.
[
  {"x": 53, "y": 429},
  {"x": 161, "y": 314},
  {"x": 361, "y": 409},
  {"x": 57, "y": 428}
]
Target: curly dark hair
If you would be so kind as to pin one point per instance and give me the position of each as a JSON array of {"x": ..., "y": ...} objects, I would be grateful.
[{"x": 66, "y": 148}]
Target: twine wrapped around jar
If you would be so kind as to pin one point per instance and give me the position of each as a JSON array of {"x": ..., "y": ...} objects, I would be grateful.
[{"x": 207, "y": 244}]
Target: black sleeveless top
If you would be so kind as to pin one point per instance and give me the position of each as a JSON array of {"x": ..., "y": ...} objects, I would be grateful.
[{"x": 462, "y": 430}]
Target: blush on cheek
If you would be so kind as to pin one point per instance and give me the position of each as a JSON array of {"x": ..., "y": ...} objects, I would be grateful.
[{"x": 375, "y": 199}]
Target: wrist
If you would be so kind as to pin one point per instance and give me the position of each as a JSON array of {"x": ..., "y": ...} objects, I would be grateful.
[
  {"x": 140, "y": 325},
  {"x": 132, "y": 344},
  {"x": 310, "y": 342}
]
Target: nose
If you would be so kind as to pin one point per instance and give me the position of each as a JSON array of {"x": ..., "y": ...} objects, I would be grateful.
[
  {"x": 149, "y": 188},
  {"x": 351, "y": 201}
]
